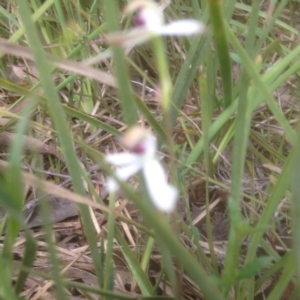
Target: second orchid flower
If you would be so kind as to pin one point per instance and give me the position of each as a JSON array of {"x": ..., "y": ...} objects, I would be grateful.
[{"x": 149, "y": 22}]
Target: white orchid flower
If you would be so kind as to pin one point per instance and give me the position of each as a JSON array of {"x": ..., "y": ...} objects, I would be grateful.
[
  {"x": 142, "y": 145},
  {"x": 149, "y": 22}
]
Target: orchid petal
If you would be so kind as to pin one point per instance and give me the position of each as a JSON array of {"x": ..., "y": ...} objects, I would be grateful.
[
  {"x": 126, "y": 172},
  {"x": 162, "y": 194},
  {"x": 149, "y": 144},
  {"x": 122, "y": 159},
  {"x": 123, "y": 174},
  {"x": 112, "y": 185},
  {"x": 182, "y": 27}
]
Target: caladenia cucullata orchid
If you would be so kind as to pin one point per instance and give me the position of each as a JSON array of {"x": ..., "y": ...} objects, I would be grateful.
[
  {"x": 141, "y": 144},
  {"x": 149, "y": 22}
]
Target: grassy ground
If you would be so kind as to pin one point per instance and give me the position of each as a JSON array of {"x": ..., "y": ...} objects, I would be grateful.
[{"x": 224, "y": 108}]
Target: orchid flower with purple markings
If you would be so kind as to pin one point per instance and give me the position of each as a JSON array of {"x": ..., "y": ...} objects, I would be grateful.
[
  {"x": 142, "y": 146},
  {"x": 149, "y": 22}
]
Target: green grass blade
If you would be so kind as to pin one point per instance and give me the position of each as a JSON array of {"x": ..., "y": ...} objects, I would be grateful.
[
  {"x": 252, "y": 72},
  {"x": 206, "y": 115},
  {"x": 8, "y": 16},
  {"x": 188, "y": 73},
  {"x": 253, "y": 23},
  {"x": 282, "y": 184},
  {"x": 109, "y": 263},
  {"x": 285, "y": 278},
  {"x": 222, "y": 47},
  {"x": 27, "y": 262},
  {"x": 121, "y": 71},
  {"x": 58, "y": 118},
  {"x": 14, "y": 188},
  {"x": 6, "y": 289},
  {"x": 243, "y": 121},
  {"x": 296, "y": 202},
  {"x": 44, "y": 209},
  {"x": 134, "y": 266},
  {"x": 271, "y": 271}
]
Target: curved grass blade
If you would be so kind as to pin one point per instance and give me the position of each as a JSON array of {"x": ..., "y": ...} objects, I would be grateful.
[{"x": 59, "y": 121}]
